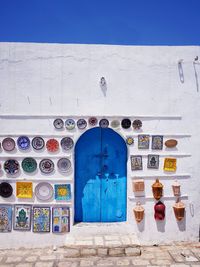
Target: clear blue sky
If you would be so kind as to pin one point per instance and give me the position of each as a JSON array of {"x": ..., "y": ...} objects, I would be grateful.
[{"x": 130, "y": 22}]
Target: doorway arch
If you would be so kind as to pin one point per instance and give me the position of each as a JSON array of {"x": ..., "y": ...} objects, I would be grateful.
[{"x": 100, "y": 176}]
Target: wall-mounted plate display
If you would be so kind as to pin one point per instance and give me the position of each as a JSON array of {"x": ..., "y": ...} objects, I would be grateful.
[
  {"x": 29, "y": 165},
  {"x": 93, "y": 121},
  {"x": 153, "y": 162},
  {"x": 67, "y": 143},
  {"x": 60, "y": 219},
  {"x": 104, "y": 123},
  {"x": 46, "y": 166},
  {"x": 6, "y": 190},
  {"x": 137, "y": 124},
  {"x": 23, "y": 142},
  {"x": 22, "y": 217},
  {"x": 126, "y": 123},
  {"x": 81, "y": 124},
  {"x": 143, "y": 141},
  {"x": 5, "y": 218},
  {"x": 52, "y": 145},
  {"x": 62, "y": 191},
  {"x": 41, "y": 219},
  {"x": 170, "y": 164},
  {"x": 11, "y": 166},
  {"x": 171, "y": 143},
  {"x": 24, "y": 189},
  {"x": 64, "y": 164},
  {"x": 44, "y": 191},
  {"x": 8, "y": 144},
  {"x": 157, "y": 142},
  {"x": 58, "y": 123},
  {"x": 115, "y": 123},
  {"x": 38, "y": 143},
  {"x": 136, "y": 163},
  {"x": 70, "y": 124},
  {"x": 129, "y": 140}
]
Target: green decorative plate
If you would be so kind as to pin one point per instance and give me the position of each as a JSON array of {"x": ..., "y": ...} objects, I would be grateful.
[{"x": 29, "y": 165}]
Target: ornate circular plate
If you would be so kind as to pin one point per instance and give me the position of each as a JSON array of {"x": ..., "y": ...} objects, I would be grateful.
[
  {"x": 29, "y": 165},
  {"x": 64, "y": 164},
  {"x": 137, "y": 124},
  {"x": 6, "y": 190},
  {"x": 38, "y": 143},
  {"x": 104, "y": 123},
  {"x": 126, "y": 123},
  {"x": 129, "y": 140},
  {"x": 93, "y": 121},
  {"x": 46, "y": 166},
  {"x": 23, "y": 142},
  {"x": 11, "y": 166},
  {"x": 8, "y": 144},
  {"x": 67, "y": 143},
  {"x": 115, "y": 123},
  {"x": 82, "y": 124},
  {"x": 70, "y": 124},
  {"x": 44, "y": 191},
  {"x": 52, "y": 145},
  {"x": 58, "y": 124}
]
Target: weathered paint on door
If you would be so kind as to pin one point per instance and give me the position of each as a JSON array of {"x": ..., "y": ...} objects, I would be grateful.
[{"x": 100, "y": 176}]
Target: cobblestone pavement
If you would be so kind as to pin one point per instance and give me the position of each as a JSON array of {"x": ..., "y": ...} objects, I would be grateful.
[{"x": 176, "y": 255}]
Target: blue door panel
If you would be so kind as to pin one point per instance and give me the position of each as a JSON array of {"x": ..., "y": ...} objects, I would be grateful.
[{"x": 100, "y": 177}]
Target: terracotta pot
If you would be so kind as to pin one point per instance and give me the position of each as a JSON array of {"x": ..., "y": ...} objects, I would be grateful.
[
  {"x": 171, "y": 143},
  {"x": 179, "y": 210},
  {"x": 157, "y": 189},
  {"x": 159, "y": 209},
  {"x": 176, "y": 188},
  {"x": 138, "y": 212},
  {"x": 138, "y": 185}
]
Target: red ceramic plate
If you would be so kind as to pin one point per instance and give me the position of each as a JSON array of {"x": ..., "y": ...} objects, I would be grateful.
[{"x": 52, "y": 145}]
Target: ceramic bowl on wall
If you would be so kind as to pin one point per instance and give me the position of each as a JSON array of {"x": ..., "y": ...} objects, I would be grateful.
[
  {"x": 29, "y": 165},
  {"x": 38, "y": 143},
  {"x": 64, "y": 164},
  {"x": 44, "y": 191},
  {"x": 115, "y": 123},
  {"x": 11, "y": 166},
  {"x": 52, "y": 145},
  {"x": 46, "y": 166},
  {"x": 8, "y": 144},
  {"x": 67, "y": 143},
  {"x": 104, "y": 123},
  {"x": 126, "y": 123},
  {"x": 70, "y": 124},
  {"x": 23, "y": 142},
  {"x": 93, "y": 121},
  {"x": 6, "y": 190},
  {"x": 58, "y": 124},
  {"x": 81, "y": 124}
]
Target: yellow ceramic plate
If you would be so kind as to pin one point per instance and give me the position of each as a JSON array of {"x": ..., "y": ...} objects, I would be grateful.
[
  {"x": 24, "y": 189},
  {"x": 170, "y": 165}
]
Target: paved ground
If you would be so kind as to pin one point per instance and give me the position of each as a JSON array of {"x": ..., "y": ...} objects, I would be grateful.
[{"x": 182, "y": 255}]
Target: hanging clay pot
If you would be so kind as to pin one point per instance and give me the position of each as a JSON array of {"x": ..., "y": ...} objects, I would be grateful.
[
  {"x": 176, "y": 188},
  {"x": 138, "y": 185},
  {"x": 138, "y": 212},
  {"x": 179, "y": 210},
  {"x": 159, "y": 210},
  {"x": 157, "y": 189}
]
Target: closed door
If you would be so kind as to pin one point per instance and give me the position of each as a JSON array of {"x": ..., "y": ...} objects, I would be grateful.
[{"x": 100, "y": 176}]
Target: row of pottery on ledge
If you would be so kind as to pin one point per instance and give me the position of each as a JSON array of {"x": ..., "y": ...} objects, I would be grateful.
[
  {"x": 157, "y": 188},
  {"x": 159, "y": 211},
  {"x": 70, "y": 124}
]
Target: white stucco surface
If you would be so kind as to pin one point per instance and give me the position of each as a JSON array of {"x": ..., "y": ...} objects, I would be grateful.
[{"x": 63, "y": 80}]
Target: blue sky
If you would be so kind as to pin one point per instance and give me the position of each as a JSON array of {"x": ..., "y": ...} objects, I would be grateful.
[{"x": 122, "y": 22}]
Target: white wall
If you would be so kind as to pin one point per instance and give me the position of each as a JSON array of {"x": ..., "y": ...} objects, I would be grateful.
[{"x": 55, "y": 79}]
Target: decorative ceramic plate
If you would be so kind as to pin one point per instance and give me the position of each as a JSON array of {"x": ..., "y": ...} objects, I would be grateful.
[
  {"x": 64, "y": 164},
  {"x": 67, "y": 143},
  {"x": 44, "y": 191},
  {"x": 24, "y": 189},
  {"x": 62, "y": 191},
  {"x": 23, "y": 142},
  {"x": 115, "y": 123},
  {"x": 11, "y": 166},
  {"x": 93, "y": 121},
  {"x": 137, "y": 124},
  {"x": 6, "y": 190},
  {"x": 126, "y": 123},
  {"x": 52, "y": 145},
  {"x": 129, "y": 140},
  {"x": 46, "y": 166},
  {"x": 29, "y": 165},
  {"x": 82, "y": 124},
  {"x": 38, "y": 143},
  {"x": 8, "y": 144},
  {"x": 70, "y": 124},
  {"x": 58, "y": 123},
  {"x": 104, "y": 123}
]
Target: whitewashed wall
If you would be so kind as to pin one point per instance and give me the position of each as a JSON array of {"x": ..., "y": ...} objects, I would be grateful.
[{"x": 55, "y": 79}]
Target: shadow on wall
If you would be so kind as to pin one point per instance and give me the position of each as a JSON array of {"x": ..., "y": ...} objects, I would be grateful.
[
  {"x": 182, "y": 224},
  {"x": 161, "y": 225}
]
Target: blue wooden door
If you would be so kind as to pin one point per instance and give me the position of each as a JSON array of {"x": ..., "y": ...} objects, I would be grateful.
[{"x": 100, "y": 177}]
